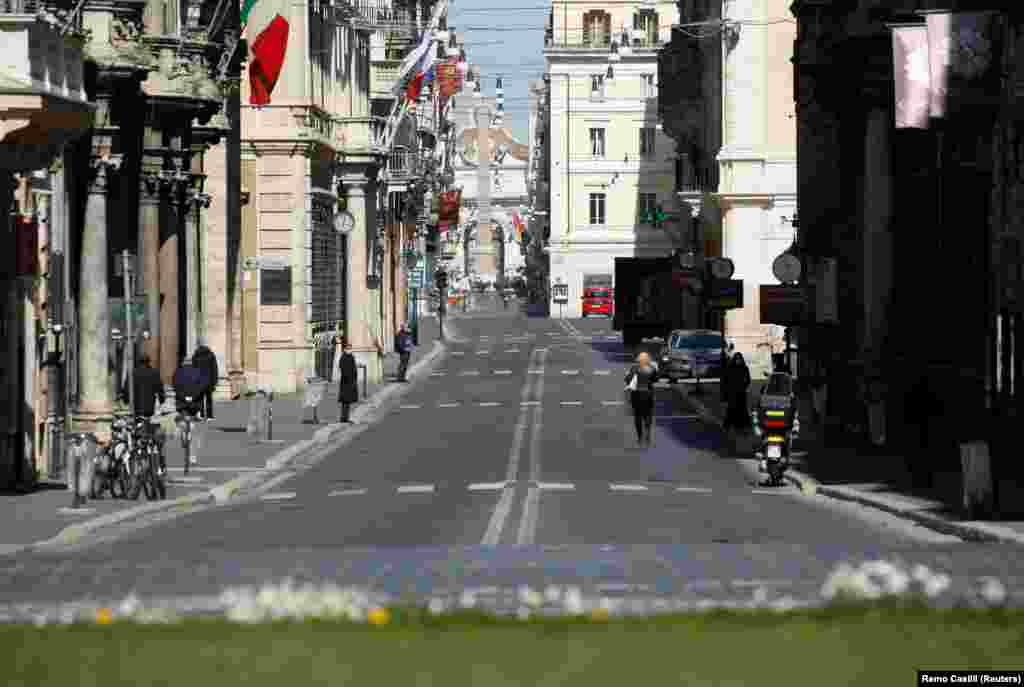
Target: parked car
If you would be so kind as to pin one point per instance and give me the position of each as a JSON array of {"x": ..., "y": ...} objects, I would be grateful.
[
  {"x": 692, "y": 354},
  {"x": 598, "y": 301}
]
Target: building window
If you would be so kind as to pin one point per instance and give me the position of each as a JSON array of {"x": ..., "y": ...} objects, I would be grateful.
[
  {"x": 597, "y": 28},
  {"x": 597, "y": 208},
  {"x": 646, "y": 22},
  {"x": 597, "y": 142},
  {"x": 646, "y": 205},
  {"x": 649, "y": 91},
  {"x": 647, "y": 141},
  {"x": 597, "y": 86}
]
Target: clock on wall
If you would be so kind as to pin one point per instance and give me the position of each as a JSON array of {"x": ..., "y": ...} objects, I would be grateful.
[{"x": 344, "y": 222}]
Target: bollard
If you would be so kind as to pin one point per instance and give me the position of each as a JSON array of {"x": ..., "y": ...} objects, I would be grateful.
[
  {"x": 363, "y": 368},
  {"x": 270, "y": 416},
  {"x": 82, "y": 446}
]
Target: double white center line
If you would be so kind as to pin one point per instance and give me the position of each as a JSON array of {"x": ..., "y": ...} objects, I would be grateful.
[{"x": 531, "y": 506}]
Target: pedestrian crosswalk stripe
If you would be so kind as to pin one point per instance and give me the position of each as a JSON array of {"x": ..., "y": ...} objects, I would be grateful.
[
  {"x": 416, "y": 489},
  {"x": 438, "y": 374},
  {"x": 602, "y": 372},
  {"x": 411, "y": 406},
  {"x": 556, "y": 486},
  {"x": 281, "y": 496},
  {"x": 699, "y": 490},
  {"x": 488, "y": 486},
  {"x": 611, "y": 403},
  {"x": 489, "y": 404},
  {"x": 530, "y": 403},
  {"x": 503, "y": 372},
  {"x": 628, "y": 487},
  {"x": 511, "y": 350},
  {"x": 447, "y": 405},
  {"x": 458, "y": 353},
  {"x": 570, "y": 372},
  {"x": 572, "y": 403},
  {"x": 535, "y": 372},
  {"x": 469, "y": 373},
  {"x": 483, "y": 352}
]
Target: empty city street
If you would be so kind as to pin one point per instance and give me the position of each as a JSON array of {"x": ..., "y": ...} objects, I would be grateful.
[{"x": 511, "y": 461}]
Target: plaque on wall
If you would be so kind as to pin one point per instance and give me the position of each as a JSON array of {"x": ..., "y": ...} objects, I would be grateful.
[{"x": 276, "y": 286}]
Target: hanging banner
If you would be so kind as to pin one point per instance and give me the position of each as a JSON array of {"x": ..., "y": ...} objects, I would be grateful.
[
  {"x": 449, "y": 79},
  {"x": 962, "y": 52},
  {"x": 27, "y": 258},
  {"x": 449, "y": 205},
  {"x": 912, "y": 74}
]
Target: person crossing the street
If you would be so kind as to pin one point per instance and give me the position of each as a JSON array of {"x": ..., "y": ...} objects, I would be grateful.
[
  {"x": 640, "y": 384},
  {"x": 404, "y": 346}
]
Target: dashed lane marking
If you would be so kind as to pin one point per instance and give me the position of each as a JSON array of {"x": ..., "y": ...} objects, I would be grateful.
[
  {"x": 416, "y": 489},
  {"x": 511, "y": 350},
  {"x": 556, "y": 486},
  {"x": 487, "y": 486},
  {"x": 438, "y": 374},
  {"x": 535, "y": 372},
  {"x": 571, "y": 403},
  {"x": 627, "y": 487},
  {"x": 541, "y": 350},
  {"x": 483, "y": 352},
  {"x": 196, "y": 468},
  {"x": 612, "y": 403},
  {"x": 695, "y": 490},
  {"x": 280, "y": 496},
  {"x": 348, "y": 492},
  {"x": 410, "y": 406},
  {"x": 603, "y": 373},
  {"x": 489, "y": 404},
  {"x": 458, "y": 353},
  {"x": 774, "y": 492},
  {"x": 469, "y": 373},
  {"x": 447, "y": 405},
  {"x": 503, "y": 372},
  {"x": 570, "y": 372},
  {"x": 529, "y": 403}
]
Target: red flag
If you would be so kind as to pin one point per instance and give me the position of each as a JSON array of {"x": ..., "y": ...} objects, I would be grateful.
[
  {"x": 268, "y": 51},
  {"x": 412, "y": 92}
]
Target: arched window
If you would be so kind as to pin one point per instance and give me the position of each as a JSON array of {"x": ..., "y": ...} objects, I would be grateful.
[
  {"x": 597, "y": 28},
  {"x": 646, "y": 22}
]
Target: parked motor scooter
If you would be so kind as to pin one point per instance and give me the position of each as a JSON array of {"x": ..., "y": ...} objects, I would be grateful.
[{"x": 776, "y": 424}]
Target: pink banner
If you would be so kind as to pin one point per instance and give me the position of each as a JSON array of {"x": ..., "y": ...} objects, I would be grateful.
[
  {"x": 913, "y": 76},
  {"x": 961, "y": 49}
]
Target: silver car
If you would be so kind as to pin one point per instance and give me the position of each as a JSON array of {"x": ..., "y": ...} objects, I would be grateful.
[{"x": 692, "y": 354}]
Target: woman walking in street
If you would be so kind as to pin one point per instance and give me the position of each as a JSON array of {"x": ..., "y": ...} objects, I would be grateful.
[
  {"x": 640, "y": 384},
  {"x": 348, "y": 387},
  {"x": 737, "y": 383}
]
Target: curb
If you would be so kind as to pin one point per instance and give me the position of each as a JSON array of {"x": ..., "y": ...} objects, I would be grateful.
[{"x": 223, "y": 492}]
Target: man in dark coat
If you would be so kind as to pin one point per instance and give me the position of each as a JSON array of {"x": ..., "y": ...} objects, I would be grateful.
[
  {"x": 403, "y": 342},
  {"x": 189, "y": 383},
  {"x": 206, "y": 361},
  {"x": 148, "y": 388},
  {"x": 348, "y": 377},
  {"x": 738, "y": 382}
]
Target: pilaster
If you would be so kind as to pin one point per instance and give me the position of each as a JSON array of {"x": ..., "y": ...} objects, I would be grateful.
[{"x": 362, "y": 318}]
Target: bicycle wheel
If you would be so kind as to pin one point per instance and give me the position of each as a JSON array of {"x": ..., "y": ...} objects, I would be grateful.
[
  {"x": 121, "y": 483},
  {"x": 137, "y": 468},
  {"x": 159, "y": 481}
]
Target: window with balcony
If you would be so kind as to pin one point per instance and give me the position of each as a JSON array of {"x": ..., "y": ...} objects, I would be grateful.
[
  {"x": 647, "y": 203},
  {"x": 645, "y": 28},
  {"x": 597, "y": 142},
  {"x": 647, "y": 141},
  {"x": 597, "y": 29},
  {"x": 597, "y": 208},
  {"x": 650, "y": 90},
  {"x": 596, "y": 86}
]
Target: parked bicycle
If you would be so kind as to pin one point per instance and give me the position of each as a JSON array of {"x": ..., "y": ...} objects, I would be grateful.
[
  {"x": 146, "y": 464},
  {"x": 112, "y": 466}
]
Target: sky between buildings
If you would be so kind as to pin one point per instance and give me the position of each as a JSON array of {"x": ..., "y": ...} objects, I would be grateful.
[{"x": 504, "y": 38}]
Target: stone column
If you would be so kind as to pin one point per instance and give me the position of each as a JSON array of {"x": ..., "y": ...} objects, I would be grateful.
[
  {"x": 360, "y": 300},
  {"x": 169, "y": 300},
  {"x": 193, "y": 207},
  {"x": 148, "y": 281},
  {"x": 95, "y": 406},
  {"x": 878, "y": 208}
]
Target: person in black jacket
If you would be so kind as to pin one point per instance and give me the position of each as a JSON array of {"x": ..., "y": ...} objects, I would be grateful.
[
  {"x": 641, "y": 396},
  {"x": 348, "y": 377},
  {"x": 189, "y": 383},
  {"x": 206, "y": 361},
  {"x": 737, "y": 384},
  {"x": 148, "y": 388}
]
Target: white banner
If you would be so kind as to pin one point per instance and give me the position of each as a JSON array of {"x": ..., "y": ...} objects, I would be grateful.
[
  {"x": 414, "y": 58},
  {"x": 960, "y": 47},
  {"x": 911, "y": 70}
]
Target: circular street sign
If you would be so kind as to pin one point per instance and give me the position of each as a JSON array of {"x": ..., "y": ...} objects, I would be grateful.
[
  {"x": 787, "y": 268},
  {"x": 722, "y": 268},
  {"x": 344, "y": 222}
]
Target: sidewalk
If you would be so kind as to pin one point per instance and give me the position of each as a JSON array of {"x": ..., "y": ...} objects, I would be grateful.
[
  {"x": 878, "y": 480},
  {"x": 229, "y": 459}
]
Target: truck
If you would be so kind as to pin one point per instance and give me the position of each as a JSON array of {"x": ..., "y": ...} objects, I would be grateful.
[{"x": 647, "y": 302}]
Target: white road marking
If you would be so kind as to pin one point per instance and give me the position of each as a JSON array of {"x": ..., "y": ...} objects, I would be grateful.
[
  {"x": 612, "y": 403},
  {"x": 529, "y": 403},
  {"x": 497, "y": 522},
  {"x": 410, "y": 406},
  {"x": 628, "y": 487},
  {"x": 196, "y": 468},
  {"x": 603, "y": 373},
  {"x": 488, "y": 486},
  {"x": 469, "y": 373},
  {"x": 771, "y": 491},
  {"x": 542, "y": 349},
  {"x": 556, "y": 486},
  {"x": 531, "y": 505},
  {"x": 535, "y": 372},
  {"x": 483, "y": 352},
  {"x": 458, "y": 353},
  {"x": 511, "y": 350},
  {"x": 572, "y": 403},
  {"x": 696, "y": 490},
  {"x": 570, "y": 372},
  {"x": 416, "y": 489},
  {"x": 280, "y": 496},
  {"x": 447, "y": 405},
  {"x": 489, "y": 404},
  {"x": 183, "y": 479},
  {"x": 348, "y": 492},
  {"x": 438, "y": 374},
  {"x": 503, "y": 372}
]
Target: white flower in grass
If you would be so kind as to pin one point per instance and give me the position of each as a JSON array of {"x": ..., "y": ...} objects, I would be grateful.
[
  {"x": 573, "y": 601},
  {"x": 436, "y": 606},
  {"x": 553, "y": 594},
  {"x": 523, "y": 613},
  {"x": 933, "y": 583},
  {"x": 129, "y": 606},
  {"x": 992, "y": 591},
  {"x": 760, "y": 596},
  {"x": 468, "y": 599}
]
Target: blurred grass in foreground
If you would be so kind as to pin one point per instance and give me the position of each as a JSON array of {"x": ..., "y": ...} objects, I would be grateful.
[{"x": 835, "y": 646}]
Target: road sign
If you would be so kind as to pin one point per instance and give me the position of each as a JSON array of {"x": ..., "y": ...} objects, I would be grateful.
[
  {"x": 560, "y": 293},
  {"x": 783, "y": 304},
  {"x": 725, "y": 294}
]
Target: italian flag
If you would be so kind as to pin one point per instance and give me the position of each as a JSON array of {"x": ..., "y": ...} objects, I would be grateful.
[{"x": 267, "y": 58}]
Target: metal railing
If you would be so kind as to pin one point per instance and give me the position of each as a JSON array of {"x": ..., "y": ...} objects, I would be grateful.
[
  {"x": 402, "y": 162},
  {"x": 574, "y": 38},
  {"x": 689, "y": 179},
  {"x": 21, "y": 6},
  {"x": 387, "y": 15}
]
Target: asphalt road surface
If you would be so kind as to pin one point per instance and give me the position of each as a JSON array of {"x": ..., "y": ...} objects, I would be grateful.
[{"x": 513, "y": 462}]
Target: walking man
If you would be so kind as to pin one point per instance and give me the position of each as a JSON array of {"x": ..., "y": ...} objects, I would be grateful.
[
  {"x": 403, "y": 342},
  {"x": 148, "y": 389},
  {"x": 348, "y": 378},
  {"x": 189, "y": 384},
  {"x": 206, "y": 361}
]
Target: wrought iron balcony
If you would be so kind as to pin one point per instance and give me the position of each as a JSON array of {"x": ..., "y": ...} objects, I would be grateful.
[
  {"x": 402, "y": 163},
  {"x": 385, "y": 15},
  {"x": 690, "y": 179}
]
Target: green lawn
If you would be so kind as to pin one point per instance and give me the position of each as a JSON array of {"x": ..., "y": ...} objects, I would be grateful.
[{"x": 834, "y": 647}]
